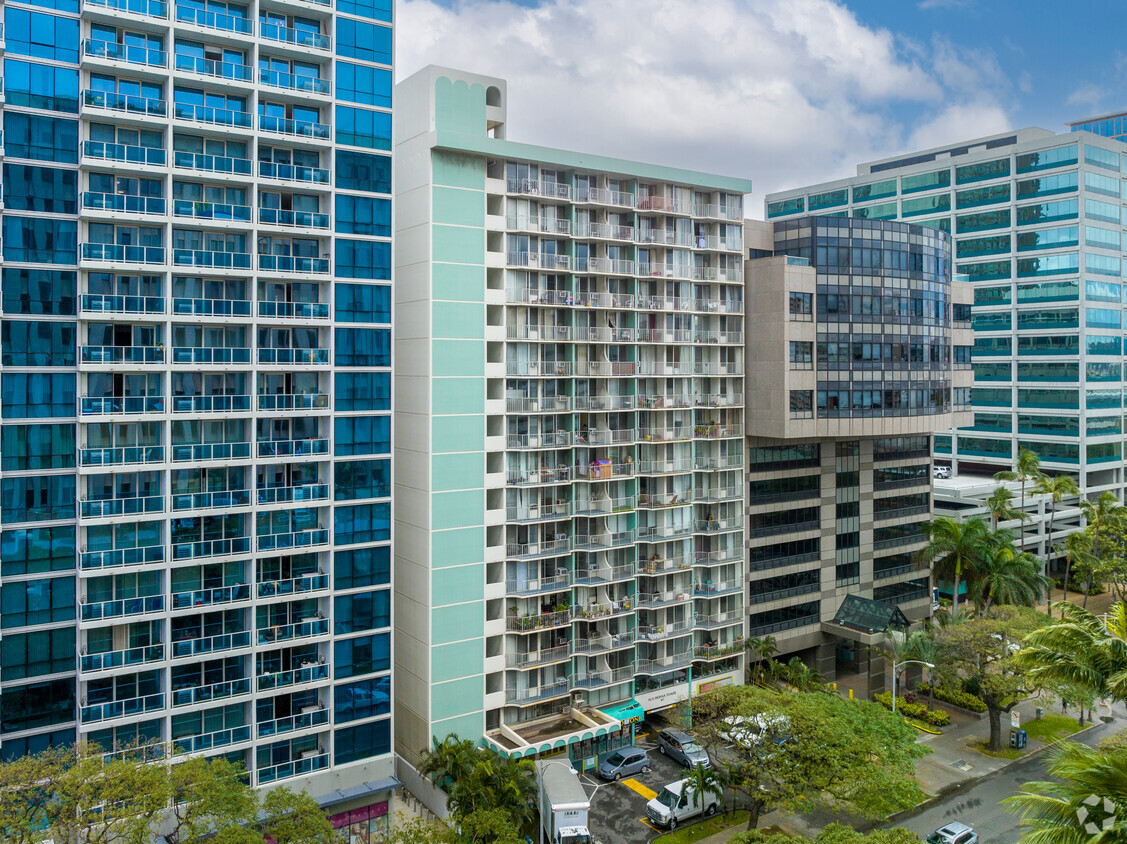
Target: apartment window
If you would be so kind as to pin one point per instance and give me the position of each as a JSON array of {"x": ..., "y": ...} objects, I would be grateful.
[
  {"x": 361, "y": 655},
  {"x": 27, "y": 448},
  {"x": 361, "y": 84},
  {"x": 362, "y": 699},
  {"x": 39, "y": 292},
  {"x": 363, "y": 172},
  {"x": 362, "y": 611},
  {"x": 801, "y": 354},
  {"x": 37, "y": 499},
  {"x": 365, "y": 41},
  {"x": 363, "y": 259},
  {"x": 41, "y": 138},
  {"x": 37, "y": 550},
  {"x": 362, "y": 523},
  {"x": 356, "y": 479},
  {"x": 361, "y": 391},
  {"x": 40, "y": 240},
  {"x": 362, "y": 567},
  {"x": 41, "y": 86},
  {"x": 801, "y": 404},
  {"x": 362, "y": 742},
  {"x": 363, "y": 215},
  {"x": 36, "y": 705},
  {"x": 40, "y": 601},
  {"x": 363, "y": 347}
]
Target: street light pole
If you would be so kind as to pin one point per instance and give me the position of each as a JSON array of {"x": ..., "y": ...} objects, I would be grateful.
[{"x": 895, "y": 670}]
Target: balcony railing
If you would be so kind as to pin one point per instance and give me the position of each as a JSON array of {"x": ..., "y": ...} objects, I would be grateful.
[
  {"x": 215, "y": 116},
  {"x": 297, "y": 630},
  {"x": 211, "y": 67},
  {"x": 211, "y": 500},
  {"x": 665, "y": 663},
  {"x": 296, "y": 768},
  {"x": 210, "y": 548},
  {"x": 284, "y": 494},
  {"x": 211, "y": 258},
  {"x": 122, "y": 658},
  {"x": 211, "y": 163},
  {"x": 125, "y": 102},
  {"x": 294, "y": 357},
  {"x": 102, "y": 303},
  {"x": 122, "y": 455},
  {"x": 602, "y": 196},
  {"x": 209, "y": 354},
  {"x": 100, "y": 405},
  {"x": 211, "y": 644},
  {"x": 293, "y": 677},
  {"x": 290, "y": 173},
  {"x": 296, "y": 539},
  {"x": 302, "y": 721},
  {"x": 293, "y": 586},
  {"x": 295, "y": 82},
  {"x": 101, "y": 508},
  {"x": 535, "y": 187},
  {"x": 151, "y": 8},
  {"x": 131, "y": 53},
  {"x": 531, "y": 623},
  {"x": 656, "y": 632},
  {"x": 118, "y": 253},
  {"x": 121, "y": 708},
  {"x": 293, "y": 310},
  {"x": 215, "y": 691},
  {"x": 295, "y": 219},
  {"x": 536, "y": 585},
  {"x": 531, "y": 659},
  {"x": 123, "y": 152},
  {"x": 538, "y": 512},
  {"x": 209, "y": 741},
  {"x": 294, "y": 401},
  {"x": 547, "y": 548},
  {"x": 293, "y": 264},
  {"x": 210, "y": 597},
  {"x": 534, "y": 694},
  {"x": 292, "y": 448},
  {"x": 545, "y": 260},
  {"x": 120, "y": 557},
  {"x": 211, "y": 210},
  {"x": 122, "y": 607},
  {"x": 121, "y": 354},
  {"x": 297, "y": 128},
  {"x": 211, "y": 307},
  {"x": 213, "y": 20},
  {"x": 210, "y": 404}
]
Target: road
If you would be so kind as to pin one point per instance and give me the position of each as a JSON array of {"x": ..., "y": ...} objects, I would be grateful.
[{"x": 979, "y": 806}]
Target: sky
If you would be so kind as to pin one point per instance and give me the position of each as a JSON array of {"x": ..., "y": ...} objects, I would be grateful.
[{"x": 784, "y": 92}]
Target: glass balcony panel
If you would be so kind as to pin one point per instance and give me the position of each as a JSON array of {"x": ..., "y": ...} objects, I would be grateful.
[
  {"x": 293, "y": 401},
  {"x": 210, "y": 500},
  {"x": 123, "y": 152},
  {"x": 297, "y": 539},
  {"x": 208, "y": 114},
  {"x": 288, "y": 126},
  {"x": 125, "y": 102},
  {"x": 290, "y": 173},
  {"x": 213, "y": 20},
  {"x": 210, "y": 258},
  {"x": 300, "y": 37},
  {"x": 211, "y": 210},
  {"x": 120, "y": 557},
  {"x": 122, "y": 455},
  {"x": 122, "y": 354},
  {"x": 206, "y": 354},
  {"x": 116, "y": 252},
  {"x": 216, "y": 691},
  {"x": 292, "y": 448},
  {"x": 210, "y": 404},
  {"x": 293, "y": 586},
  {"x": 211, "y": 307},
  {"x": 211, "y": 644},
  {"x": 122, "y": 658},
  {"x": 295, "y": 677},
  {"x": 131, "y": 53},
  {"x": 293, "y": 82},
  {"x": 298, "y": 219},
  {"x": 208, "y": 741},
  {"x": 210, "y": 548},
  {"x": 297, "y": 768},
  {"x": 101, "y": 508},
  {"x": 92, "y": 405},
  {"x": 294, "y": 357},
  {"x": 211, "y": 163},
  {"x": 123, "y": 607},
  {"x": 210, "y": 67},
  {"x": 122, "y": 202},
  {"x": 121, "y": 708},
  {"x": 152, "y": 8},
  {"x": 107, "y": 304}
]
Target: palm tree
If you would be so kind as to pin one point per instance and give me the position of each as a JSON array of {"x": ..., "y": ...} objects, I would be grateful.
[
  {"x": 803, "y": 677},
  {"x": 764, "y": 648},
  {"x": 1099, "y": 514},
  {"x": 450, "y": 760},
  {"x": 1061, "y": 811},
  {"x": 1007, "y": 576},
  {"x": 1083, "y": 649},
  {"x": 953, "y": 547},
  {"x": 1027, "y": 468},
  {"x": 703, "y": 781},
  {"x": 1057, "y": 487},
  {"x": 923, "y": 648},
  {"x": 999, "y": 506},
  {"x": 1077, "y": 548},
  {"x": 475, "y": 778}
]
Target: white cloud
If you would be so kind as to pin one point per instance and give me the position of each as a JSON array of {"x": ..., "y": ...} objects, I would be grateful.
[
  {"x": 944, "y": 4},
  {"x": 786, "y": 92},
  {"x": 1088, "y": 94}
]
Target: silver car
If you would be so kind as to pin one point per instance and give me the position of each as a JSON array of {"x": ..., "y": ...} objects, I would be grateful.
[
  {"x": 624, "y": 762},
  {"x": 682, "y": 747},
  {"x": 953, "y": 833}
]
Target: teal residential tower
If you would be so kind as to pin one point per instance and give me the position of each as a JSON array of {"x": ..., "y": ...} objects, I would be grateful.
[{"x": 569, "y": 415}]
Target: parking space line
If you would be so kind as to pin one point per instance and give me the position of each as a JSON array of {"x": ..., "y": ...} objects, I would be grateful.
[
  {"x": 647, "y": 823},
  {"x": 634, "y": 785}
]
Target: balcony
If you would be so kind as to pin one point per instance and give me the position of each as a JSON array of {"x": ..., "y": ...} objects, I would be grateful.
[
  {"x": 533, "y": 623},
  {"x": 215, "y": 691},
  {"x": 303, "y": 721},
  {"x": 121, "y": 354},
  {"x": 293, "y": 310},
  {"x": 294, "y": 586},
  {"x": 213, "y": 20},
  {"x": 665, "y": 663},
  {"x": 211, "y": 307},
  {"x": 293, "y": 219},
  {"x": 149, "y": 8},
  {"x": 211, "y": 259},
  {"x": 121, "y": 708},
  {"x": 208, "y": 354},
  {"x": 294, "y": 128},
  {"x": 210, "y": 404},
  {"x": 664, "y": 467},
  {"x": 664, "y": 204},
  {"x": 290, "y": 173},
  {"x": 128, "y": 53},
  {"x": 123, "y": 658},
  {"x": 126, "y": 153},
  {"x": 122, "y": 608},
  {"x": 537, "y": 585},
  {"x": 720, "y": 619},
  {"x": 294, "y": 677},
  {"x": 538, "y": 512},
  {"x": 612, "y": 436},
  {"x": 544, "y": 260},
  {"x": 215, "y": 69},
  {"x": 714, "y": 495},
  {"x": 289, "y": 494},
  {"x": 104, "y": 507},
  {"x": 122, "y": 455},
  {"x": 540, "y": 225},
  {"x": 711, "y": 525},
  {"x": 602, "y": 196},
  {"x": 210, "y": 741},
  {"x": 214, "y": 596},
  {"x": 604, "y": 403},
  {"x": 657, "y": 600},
  {"x": 296, "y": 539},
  {"x": 657, "y": 632},
  {"x": 604, "y": 266},
  {"x": 602, "y": 644},
  {"x": 792, "y": 592},
  {"x": 296, "y": 768},
  {"x": 533, "y": 659},
  {"x": 211, "y": 163},
  {"x": 605, "y": 574},
  {"x": 212, "y": 116},
  {"x": 294, "y": 82},
  {"x": 704, "y": 652},
  {"x": 663, "y": 533},
  {"x": 537, "y": 332},
  {"x": 591, "y": 679},
  {"x": 603, "y": 470},
  {"x": 290, "y": 632},
  {"x": 119, "y": 254},
  {"x": 536, "y": 694},
  {"x": 665, "y": 237},
  {"x": 211, "y": 211},
  {"x": 101, "y": 303},
  {"x": 603, "y": 541},
  {"x": 661, "y": 401},
  {"x": 294, "y": 401},
  {"x": 598, "y": 506},
  {"x": 292, "y": 448},
  {"x": 548, "y": 404},
  {"x": 535, "y": 187},
  {"x": 120, "y": 557},
  {"x": 718, "y": 212},
  {"x": 210, "y": 548},
  {"x": 532, "y": 550},
  {"x": 709, "y": 589},
  {"x": 719, "y": 400},
  {"x": 219, "y": 499},
  {"x": 551, "y": 439},
  {"x": 211, "y": 644},
  {"x": 293, "y": 264},
  {"x": 124, "y": 103},
  {"x": 663, "y": 565}
]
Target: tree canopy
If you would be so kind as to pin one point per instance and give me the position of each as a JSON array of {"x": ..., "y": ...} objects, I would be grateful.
[
  {"x": 476, "y": 779},
  {"x": 834, "y": 833}
]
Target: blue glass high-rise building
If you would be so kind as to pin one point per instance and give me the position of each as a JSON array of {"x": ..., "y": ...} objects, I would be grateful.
[{"x": 195, "y": 482}]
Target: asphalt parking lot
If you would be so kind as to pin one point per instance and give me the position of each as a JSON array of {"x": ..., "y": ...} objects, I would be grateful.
[{"x": 618, "y": 809}]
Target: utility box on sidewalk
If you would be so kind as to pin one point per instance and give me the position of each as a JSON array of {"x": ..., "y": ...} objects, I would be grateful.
[{"x": 1017, "y": 739}]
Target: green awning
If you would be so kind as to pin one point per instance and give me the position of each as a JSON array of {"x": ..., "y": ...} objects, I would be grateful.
[{"x": 629, "y": 712}]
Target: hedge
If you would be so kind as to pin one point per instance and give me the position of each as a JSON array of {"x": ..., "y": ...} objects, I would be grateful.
[
  {"x": 934, "y": 717},
  {"x": 955, "y": 697}
]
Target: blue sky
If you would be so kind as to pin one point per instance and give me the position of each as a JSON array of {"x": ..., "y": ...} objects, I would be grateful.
[{"x": 785, "y": 92}]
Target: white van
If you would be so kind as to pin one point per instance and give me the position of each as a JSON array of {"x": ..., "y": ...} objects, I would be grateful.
[{"x": 673, "y": 806}]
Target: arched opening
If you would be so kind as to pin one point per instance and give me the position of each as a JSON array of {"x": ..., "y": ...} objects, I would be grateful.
[{"x": 493, "y": 96}]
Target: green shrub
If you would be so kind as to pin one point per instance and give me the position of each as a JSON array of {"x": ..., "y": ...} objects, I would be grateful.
[
  {"x": 919, "y": 711},
  {"x": 955, "y": 697}
]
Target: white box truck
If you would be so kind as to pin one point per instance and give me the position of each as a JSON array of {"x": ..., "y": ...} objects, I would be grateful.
[{"x": 563, "y": 803}]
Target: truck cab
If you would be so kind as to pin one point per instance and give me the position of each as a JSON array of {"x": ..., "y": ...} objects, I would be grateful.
[
  {"x": 674, "y": 805},
  {"x": 572, "y": 835}
]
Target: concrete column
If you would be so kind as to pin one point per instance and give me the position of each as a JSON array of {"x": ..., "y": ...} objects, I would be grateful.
[
  {"x": 876, "y": 672},
  {"x": 825, "y": 660}
]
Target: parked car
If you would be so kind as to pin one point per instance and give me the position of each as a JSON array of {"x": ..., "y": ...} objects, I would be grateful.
[
  {"x": 953, "y": 833},
  {"x": 624, "y": 762},
  {"x": 942, "y": 472},
  {"x": 682, "y": 747},
  {"x": 673, "y": 805}
]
